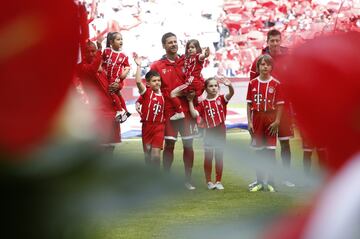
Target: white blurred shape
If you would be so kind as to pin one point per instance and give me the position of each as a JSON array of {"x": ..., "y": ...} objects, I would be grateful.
[{"x": 337, "y": 214}]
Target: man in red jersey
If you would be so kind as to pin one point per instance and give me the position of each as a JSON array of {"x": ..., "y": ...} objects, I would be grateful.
[
  {"x": 100, "y": 103},
  {"x": 333, "y": 212},
  {"x": 286, "y": 132},
  {"x": 170, "y": 68}
]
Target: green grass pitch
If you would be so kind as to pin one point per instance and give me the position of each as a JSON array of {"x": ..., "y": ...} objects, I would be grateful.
[{"x": 190, "y": 211}]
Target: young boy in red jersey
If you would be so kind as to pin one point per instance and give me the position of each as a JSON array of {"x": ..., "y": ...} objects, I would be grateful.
[
  {"x": 286, "y": 131},
  {"x": 212, "y": 111},
  {"x": 264, "y": 109},
  {"x": 116, "y": 65},
  {"x": 193, "y": 58},
  {"x": 152, "y": 114}
]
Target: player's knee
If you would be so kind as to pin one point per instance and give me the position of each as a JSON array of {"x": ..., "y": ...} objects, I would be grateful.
[
  {"x": 147, "y": 149},
  {"x": 169, "y": 144},
  {"x": 188, "y": 143},
  {"x": 155, "y": 152},
  {"x": 284, "y": 143}
]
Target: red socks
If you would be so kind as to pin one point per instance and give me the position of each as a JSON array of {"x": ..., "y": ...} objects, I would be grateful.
[
  {"x": 218, "y": 165},
  {"x": 188, "y": 157},
  {"x": 209, "y": 154},
  {"x": 208, "y": 164},
  {"x": 168, "y": 156}
]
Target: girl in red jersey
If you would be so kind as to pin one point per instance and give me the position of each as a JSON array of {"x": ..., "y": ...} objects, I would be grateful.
[
  {"x": 264, "y": 110},
  {"x": 116, "y": 65},
  {"x": 193, "y": 59},
  {"x": 212, "y": 111},
  {"x": 152, "y": 114}
]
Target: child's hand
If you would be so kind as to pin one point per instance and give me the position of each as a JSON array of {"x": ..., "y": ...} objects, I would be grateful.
[
  {"x": 190, "y": 96},
  {"x": 227, "y": 82},
  {"x": 137, "y": 59},
  {"x": 251, "y": 128},
  {"x": 206, "y": 51},
  {"x": 100, "y": 69},
  {"x": 138, "y": 107},
  {"x": 273, "y": 127},
  {"x": 224, "y": 81}
]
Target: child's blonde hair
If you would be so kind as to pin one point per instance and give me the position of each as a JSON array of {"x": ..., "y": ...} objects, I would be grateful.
[{"x": 267, "y": 58}]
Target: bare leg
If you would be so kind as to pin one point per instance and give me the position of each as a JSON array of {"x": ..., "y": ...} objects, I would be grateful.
[
  {"x": 285, "y": 153},
  {"x": 168, "y": 154},
  {"x": 188, "y": 158},
  {"x": 155, "y": 157}
]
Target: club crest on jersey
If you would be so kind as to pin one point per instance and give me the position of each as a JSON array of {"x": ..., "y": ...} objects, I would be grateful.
[
  {"x": 164, "y": 71},
  {"x": 218, "y": 102},
  {"x": 155, "y": 99},
  {"x": 271, "y": 90},
  {"x": 254, "y": 89}
]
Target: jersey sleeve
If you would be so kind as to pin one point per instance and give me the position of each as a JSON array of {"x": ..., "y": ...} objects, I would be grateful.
[
  {"x": 145, "y": 92},
  {"x": 200, "y": 109},
  {"x": 126, "y": 62},
  {"x": 224, "y": 101},
  {"x": 140, "y": 99},
  {"x": 279, "y": 98},
  {"x": 198, "y": 58},
  {"x": 249, "y": 97}
]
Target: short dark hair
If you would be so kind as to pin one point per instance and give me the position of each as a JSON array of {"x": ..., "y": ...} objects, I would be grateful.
[
  {"x": 166, "y": 36},
  {"x": 273, "y": 32},
  {"x": 267, "y": 58},
  {"x": 151, "y": 74}
]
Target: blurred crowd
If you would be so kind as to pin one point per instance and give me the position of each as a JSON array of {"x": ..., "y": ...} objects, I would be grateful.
[{"x": 234, "y": 30}]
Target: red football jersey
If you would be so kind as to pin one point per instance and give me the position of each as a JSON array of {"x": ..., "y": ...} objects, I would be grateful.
[
  {"x": 171, "y": 72},
  {"x": 152, "y": 109},
  {"x": 264, "y": 95},
  {"x": 193, "y": 65},
  {"x": 213, "y": 111},
  {"x": 172, "y": 76},
  {"x": 114, "y": 62}
]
